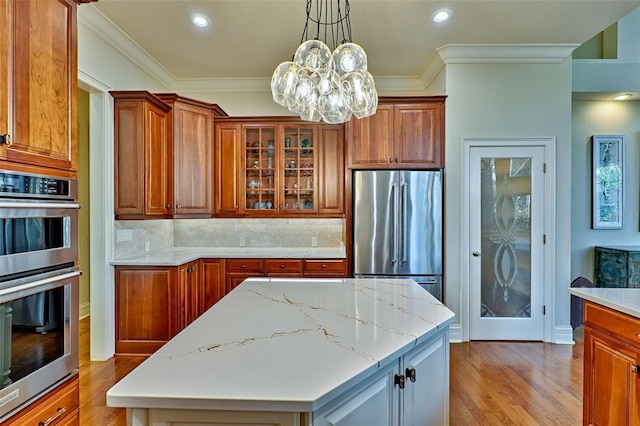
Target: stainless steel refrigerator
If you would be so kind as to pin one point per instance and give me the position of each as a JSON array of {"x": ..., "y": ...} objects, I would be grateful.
[{"x": 397, "y": 226}]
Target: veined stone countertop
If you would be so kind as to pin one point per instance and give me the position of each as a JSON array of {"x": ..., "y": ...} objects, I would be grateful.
[
  {"x": 625, "y": 300},
  {"x": 284, "y": 345},
  {"x": 180, "y": 255}
]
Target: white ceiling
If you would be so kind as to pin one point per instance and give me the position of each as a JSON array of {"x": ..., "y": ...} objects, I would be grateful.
[{"x": 249, "y": 38}]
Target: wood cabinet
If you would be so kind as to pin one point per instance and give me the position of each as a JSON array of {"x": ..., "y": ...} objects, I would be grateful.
[
  {"x": 187, "y": 302},
  {"x": 38, "y": 78},
  {"x": 191, "y": 125},
  {"x": 211, "y": 285},
  {"x": 154, "y": 303},
  {"x": 325, "y": 268},
  {"x": 61, "y": 406},
  {"x": 143, "y": 166},
  {"x": 164, "y": 151},
  {"x": 611, "y": 367},
  {"x": 238, "y": 270},
  {"x": 146, "y": 315},
  {"x": 404, "y": 133},
  {"x": 279, "y": 167}
]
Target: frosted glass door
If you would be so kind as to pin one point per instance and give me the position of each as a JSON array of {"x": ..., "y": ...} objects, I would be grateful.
[{"x": 506, "y": 241}]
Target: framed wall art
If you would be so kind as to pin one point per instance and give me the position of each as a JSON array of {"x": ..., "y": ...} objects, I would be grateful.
[{"x": 608, "y": 180}]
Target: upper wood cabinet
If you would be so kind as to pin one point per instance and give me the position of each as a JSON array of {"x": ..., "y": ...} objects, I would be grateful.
[
  {"x": 404, "y": 133},
  {"x": 191, "y": 129},
  {"x": 143, "y": 166},
  {"x": 279, "y": 167},
  {"x": 164, "y": 150},
  {"x": 38, "y": 82}
]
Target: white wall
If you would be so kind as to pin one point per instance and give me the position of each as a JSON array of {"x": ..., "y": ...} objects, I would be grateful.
[
  {"x": 507, "y": 101},
  {"x": 602, "y": 118}
]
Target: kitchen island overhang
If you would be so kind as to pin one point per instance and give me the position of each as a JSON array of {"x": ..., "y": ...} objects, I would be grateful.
[{"x": 286, "y": 345}]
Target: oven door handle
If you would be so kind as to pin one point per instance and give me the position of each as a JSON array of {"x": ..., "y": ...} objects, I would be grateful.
[
  {"x": 38, "y": 205},
  {"x": 35, "y": 284}
]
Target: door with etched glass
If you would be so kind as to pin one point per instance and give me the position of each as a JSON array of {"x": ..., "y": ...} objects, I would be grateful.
[{"x": 506, "y": 208}]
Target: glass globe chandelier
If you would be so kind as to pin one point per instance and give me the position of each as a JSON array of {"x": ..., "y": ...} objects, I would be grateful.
[{"x": 318, "y": 84}]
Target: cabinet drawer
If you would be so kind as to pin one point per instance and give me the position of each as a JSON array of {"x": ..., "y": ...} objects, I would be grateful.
[
  {"x": 622, "y": 326},
  {"x": 325, "y": 266},
  {"x": 244, "y": 265},
  {"x": 56, "y": 407},
  {"x": 272, "y": 266}
]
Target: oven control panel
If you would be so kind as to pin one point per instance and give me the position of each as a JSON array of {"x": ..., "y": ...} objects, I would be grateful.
[{"x": 26, "y": 185}]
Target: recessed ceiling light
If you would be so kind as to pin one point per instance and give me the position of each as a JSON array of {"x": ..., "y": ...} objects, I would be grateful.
[
  {"x": 622, "y": 97},
  {"x": 441, "y": 15},
  {"x": 200, "y": 20}
]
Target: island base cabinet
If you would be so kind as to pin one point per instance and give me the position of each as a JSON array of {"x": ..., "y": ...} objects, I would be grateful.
[
  {"x": 166, "y": 417},
  {"x": 423, "y": 399}
]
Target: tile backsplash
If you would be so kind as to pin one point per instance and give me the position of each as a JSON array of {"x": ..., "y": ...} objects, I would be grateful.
[{"x": 152, "y": 235}]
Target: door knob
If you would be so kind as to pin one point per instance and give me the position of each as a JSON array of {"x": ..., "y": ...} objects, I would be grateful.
[{"x": 475, "y": 253}]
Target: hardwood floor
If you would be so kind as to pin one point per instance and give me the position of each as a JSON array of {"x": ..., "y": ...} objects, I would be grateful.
[
  {"x": 492, "y": 383},
  {"x": 96, "y": 377},
  {"x": 503, "y": 383}
]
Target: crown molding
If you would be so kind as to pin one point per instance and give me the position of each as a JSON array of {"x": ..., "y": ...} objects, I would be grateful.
[
  {"x": 93, "y": 20},
  {"x": 505, "y": 53}
]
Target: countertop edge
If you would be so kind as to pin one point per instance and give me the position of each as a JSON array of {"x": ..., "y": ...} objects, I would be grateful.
[
  {"x": 590, "y": 295},
  {"x": 181, "y": 255}
]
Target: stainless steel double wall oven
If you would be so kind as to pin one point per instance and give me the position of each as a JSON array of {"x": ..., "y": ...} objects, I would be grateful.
[{"x": 38, "y": 286}]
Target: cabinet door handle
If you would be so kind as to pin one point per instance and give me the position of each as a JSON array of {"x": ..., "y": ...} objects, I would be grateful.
[
  {"x": 391, "y": 160},
  {"x": 5, "y": 140},
  {"x": 635, "y": 369},
  {"x": 411, "y": 374},
  {"x": 167, "y": 206},
  {"x": 177, "y": 206},
  {"x": 60, "y": 411},
  {"x": 399, "y": 380}
]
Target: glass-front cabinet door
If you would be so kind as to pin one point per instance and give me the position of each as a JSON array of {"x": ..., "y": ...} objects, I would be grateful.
[
  {"x": 280, "y": 170},
  {"x": 259, "y": 177},
  {"x": 298, "y": 175}
]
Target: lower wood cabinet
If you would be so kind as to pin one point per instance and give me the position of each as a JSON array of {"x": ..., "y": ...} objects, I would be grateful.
[
  {"x": 611, "y": 367},
  {"x": 154, "y": 303},
  {"x": 60, "y": 407}
]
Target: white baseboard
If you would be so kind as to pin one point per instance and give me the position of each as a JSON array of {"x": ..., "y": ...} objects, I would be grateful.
[
  {"x": 563, "y": 335},
  {"x": 85, "y": 310},
  {"x": 455, "y": 333}
]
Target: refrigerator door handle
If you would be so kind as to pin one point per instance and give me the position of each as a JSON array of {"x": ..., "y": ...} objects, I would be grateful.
[
  {"x": 394, "y": 201},
  {"x": 403, "y": 229}
]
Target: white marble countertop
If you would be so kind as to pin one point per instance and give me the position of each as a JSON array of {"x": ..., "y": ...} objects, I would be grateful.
[
  {"x": 284, "y": 345},
  {"x": 181, "y": 255},
  {"x": 626, "y": 300}
]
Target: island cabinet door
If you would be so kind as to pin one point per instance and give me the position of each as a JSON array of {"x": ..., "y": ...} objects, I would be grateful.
[
  {"x": 426, "y": 392},
  {"x": 188, "y": 297},
  {"x": 372, "y": 402},
  {"x": 610, "y": 381}
]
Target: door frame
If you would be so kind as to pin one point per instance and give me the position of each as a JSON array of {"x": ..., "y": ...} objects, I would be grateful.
[{"x": 549, "y": 226}]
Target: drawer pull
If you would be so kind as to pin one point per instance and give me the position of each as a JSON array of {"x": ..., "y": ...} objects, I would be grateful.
[
  {"x": 324, "y": 266},
  {"x": 50, "y": 420},
  {"x": 243, "y": 266},
  {"x": 638, "y": 335},
  {"x": 282, "y": 266}
]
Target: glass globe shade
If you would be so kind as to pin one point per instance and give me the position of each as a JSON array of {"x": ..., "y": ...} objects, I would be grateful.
[
  {"x": 283, "y": 82},
  {"x": 349, "y": 57},
  {"x": 313, "y": 55},
  {"x": 372, "y": 98}
]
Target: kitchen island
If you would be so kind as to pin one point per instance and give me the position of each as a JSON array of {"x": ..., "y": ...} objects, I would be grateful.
[
  {"x": 611, "y": 393},
  {"x": 301, "y": 352}
]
